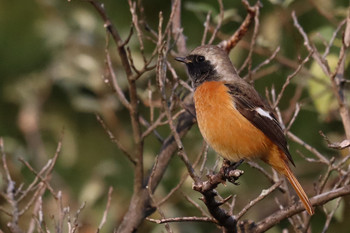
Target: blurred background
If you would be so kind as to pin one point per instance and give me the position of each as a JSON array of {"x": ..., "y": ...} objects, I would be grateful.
[{"x": 52, "y": 81}]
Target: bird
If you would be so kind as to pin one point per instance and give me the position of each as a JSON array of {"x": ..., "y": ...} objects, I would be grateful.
[{"x": 233, "y": 118}]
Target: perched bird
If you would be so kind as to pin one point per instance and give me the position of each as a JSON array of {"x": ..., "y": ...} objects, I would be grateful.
[{"x": 233, "y": 118}]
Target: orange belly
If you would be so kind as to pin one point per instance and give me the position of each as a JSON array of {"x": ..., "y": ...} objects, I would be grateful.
[{"x": 227, "y": 131}]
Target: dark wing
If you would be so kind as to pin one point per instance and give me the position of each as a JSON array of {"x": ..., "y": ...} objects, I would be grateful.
[{"x": 259, "y": 113}]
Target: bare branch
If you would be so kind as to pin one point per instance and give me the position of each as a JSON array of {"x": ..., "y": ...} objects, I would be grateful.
[
  {"x": 177, "y": 187},
  {"x": 248, "y": 60},
  {"x": 311, "y": 48},
  {"x": 115, "y": 140},
  {"x": 337, "y": 76},
  {"x": 206, "y": 28},
  {"x": 265, "y": 173},
  {"x": 207, "y": 188},
  {"x": 336, "y": 145},
  {"x": 264, "y": 63},
  {"x": 326, "y": 52},
  {"x": 104, "y": 217},
  {"x": 183, "y": 219},
  {"x": 296, "y": 112},
  {"x": 221, "y": 17},
  {"x": 320, "y": 199},
  {"x": 152, "y": 127},
  {"x": 308, "y": 147},
  {"x": 286, "y": 83},
  {"x": 264, "y": 193},
  {"x": 115, "y": 34},
  {"x": 229, "y": 44},
  {"x": 177, "y": 29},
  {"x": 115, "y": 84},
  {"x": 135, "y": 22},
  {"x": 189, "y": 199}
]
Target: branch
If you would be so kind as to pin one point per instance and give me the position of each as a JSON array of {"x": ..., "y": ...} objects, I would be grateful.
[
  {"x": 264, "y": 193},
  {"x": 289, "y": 78},
  {"x": 321, "y": 199},
  {"x": 337, "y": 77},
  {"x": 221, "y": 17},
  {"x": 206, "y": 28},
  {"x": 308, "y": 147},
  {"x": 207, "y": 189},
  {"x": 115, "y": 140},
  {"x": 183, "y": 219},
  {"x": 184, "y": 123},
  {"x": 338, "y": 80},
  {"x": 229, "y": 44},
  {"x": 248, "y": 60},
  {"x": 336, "y": 145},
  {"x": 177, "y": 29},
  {"x": 115, "y": 34},
  {"x": 104, "y": 217},
  {"x": 115, "y": 84},
  {"x": 10, "y": 193},
  {"x": 140, "y": 207},
  {"x": 264, "y": 63},
  {"x": 311, "y": 48},
  {"x": 133, "y": 110}
]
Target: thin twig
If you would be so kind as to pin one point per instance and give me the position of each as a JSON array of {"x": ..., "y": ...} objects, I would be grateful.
[
  {"x": 145, "y": 123},
  {"x": 105, "y": 213},
  {"x": 115, "y": 140},
  {"x": 308, "y": 147},
  {"x": 151, "y": 194},
  {"x": 183, "y": 219},
  {"x": 248, "y": 60},
  {"x": 328, "y": 48},
  {"x": 320, "y": 199},
  {"x": 264, "y": 63},
  {"x": 135, "y": 21},
  {"x": 153, "y": 126},
  {"x": 115, "y": 34},
  {"x": 296, "y": 112},
  {"x": 205, "y": 148},
  {"x": 230, "y": 43},
  {"x": 335, "y": 145},
  {"x": 330, "y": 215},
  {"x": 40, "y": 177},
  {"x": 206, "y": 28},
  {"x": 311, "y": 48},
  {"x": 264, "y": 193},
  {"x": 178, "y": 186},
  {"x": 221, "y": 17},
  {"x": 115, "y": 84},
  {"x": 265, "y": 173},
  {"x": 286, "y": 83},
  {"x": 32, "y": 186},
  {"x": 189, "y": 199},
  {"x": 177, "y": 29}
]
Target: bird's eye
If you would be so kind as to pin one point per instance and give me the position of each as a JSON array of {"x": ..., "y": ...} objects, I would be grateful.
[{"x": 200, "y": 59}]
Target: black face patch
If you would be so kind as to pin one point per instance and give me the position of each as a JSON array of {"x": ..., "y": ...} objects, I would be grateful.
[{"x": 200, "y": 69}]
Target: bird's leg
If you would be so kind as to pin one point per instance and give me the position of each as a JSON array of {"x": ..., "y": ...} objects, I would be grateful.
[{"x": 231, "y": 172}]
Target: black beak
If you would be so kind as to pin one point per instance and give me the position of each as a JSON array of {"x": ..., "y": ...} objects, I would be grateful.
[{"x": 183, "y": 60}]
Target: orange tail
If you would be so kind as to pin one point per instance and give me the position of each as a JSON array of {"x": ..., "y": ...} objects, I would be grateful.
[{"x": 297, "y": 187}]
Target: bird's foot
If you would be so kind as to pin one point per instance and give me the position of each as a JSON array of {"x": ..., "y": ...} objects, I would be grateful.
[{"x": 231, "y": 172}]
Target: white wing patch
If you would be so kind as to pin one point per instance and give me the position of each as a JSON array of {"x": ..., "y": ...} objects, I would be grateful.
[{"x": 264, "y": 113}]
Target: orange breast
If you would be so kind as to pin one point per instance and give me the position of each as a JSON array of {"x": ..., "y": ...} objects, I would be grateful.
[{"x": 227, "y": 131}]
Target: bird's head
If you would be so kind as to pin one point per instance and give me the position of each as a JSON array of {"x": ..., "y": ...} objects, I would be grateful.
[{"x": 208, "y": 63}]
